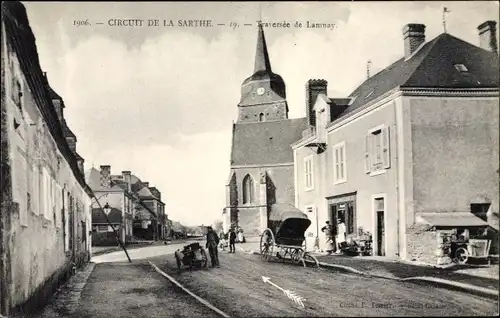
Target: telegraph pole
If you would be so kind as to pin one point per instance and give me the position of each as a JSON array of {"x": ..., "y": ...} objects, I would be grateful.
[{"x": 114, "y": 230}]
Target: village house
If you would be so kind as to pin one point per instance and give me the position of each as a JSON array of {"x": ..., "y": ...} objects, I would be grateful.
[
  {"x": 135, "y": 207},
  {"x": 151, "y": 198},
  {"x": 411, "y": 153},
  {"x": 121, "y": 201},
  {"x": 45, "y": 210}
]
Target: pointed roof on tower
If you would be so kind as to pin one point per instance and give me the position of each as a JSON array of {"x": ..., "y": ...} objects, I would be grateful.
[
  {"x": 262, "y": 62},
  {"x": 262, "y": 67}
]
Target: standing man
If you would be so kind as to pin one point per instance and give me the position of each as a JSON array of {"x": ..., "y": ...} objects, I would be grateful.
[
  {"x": 328, "y": 230},
  {"x": 212, "y": 243},
  {"x": 232, "y": 240}
]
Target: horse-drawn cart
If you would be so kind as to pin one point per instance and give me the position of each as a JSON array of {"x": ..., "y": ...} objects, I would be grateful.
[
  {"x": 285, "y": 235},
  {"x": 191, "y": 256}
]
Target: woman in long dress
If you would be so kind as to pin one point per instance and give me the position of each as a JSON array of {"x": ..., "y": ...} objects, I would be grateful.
[
  {"x": 328, "y": 230},
  {"x": 240, "y": 235}
]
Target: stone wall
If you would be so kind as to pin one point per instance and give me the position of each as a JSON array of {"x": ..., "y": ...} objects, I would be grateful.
[{"x": 422, "y": 243}]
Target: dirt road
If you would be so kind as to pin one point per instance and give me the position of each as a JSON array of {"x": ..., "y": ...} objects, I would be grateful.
[
  {"x": 238, "y": 289},
  {"x": 129, "y": 290}
]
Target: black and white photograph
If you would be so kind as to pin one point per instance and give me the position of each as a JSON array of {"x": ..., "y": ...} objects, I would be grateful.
[{"x": 249, "y": 159}]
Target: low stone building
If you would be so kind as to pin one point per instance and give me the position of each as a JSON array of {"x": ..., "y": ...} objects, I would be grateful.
[
  {"x": 412, "y": 153},
  {"x": 45, "y": 208}
]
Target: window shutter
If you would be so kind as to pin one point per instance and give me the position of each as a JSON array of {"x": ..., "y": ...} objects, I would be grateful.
[
  {"x": 367, "y": 154},
  {"x": 312, "y": 173},
  {"x": 386, "y": 156}
]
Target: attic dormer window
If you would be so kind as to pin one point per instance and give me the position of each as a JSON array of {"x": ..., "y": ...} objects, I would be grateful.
[{"x": 461, "y": 68}]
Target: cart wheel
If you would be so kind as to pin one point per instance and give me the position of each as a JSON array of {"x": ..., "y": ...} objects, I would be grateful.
[
  {"x": 267, "y": 244},
  {"x": 308, "y": 258},
  {"x": 461, "y": 255},
  {"x": 204, "y": 261},
  {"x": 296, "y": 255}
]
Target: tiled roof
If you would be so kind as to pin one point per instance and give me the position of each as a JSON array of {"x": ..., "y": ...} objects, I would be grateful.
[
  {"x": 136, "y": 186},
  {"x": 432, "y": 66},
  {"x": 115, "y": 216},
  {"x": 145, "y": 193},
  {"x": 265, "y": 142}
]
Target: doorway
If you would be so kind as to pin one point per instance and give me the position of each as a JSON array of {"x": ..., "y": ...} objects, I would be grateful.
[
  {"x": 312, "y": 232},
  {"x": 380, "y": 213}
]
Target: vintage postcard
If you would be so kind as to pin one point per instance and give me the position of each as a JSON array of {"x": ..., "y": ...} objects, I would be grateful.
[{"x": 249, "y": 159}]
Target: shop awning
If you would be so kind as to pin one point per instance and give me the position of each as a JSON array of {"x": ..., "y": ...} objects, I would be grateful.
[{"x": 450, "y": 219}]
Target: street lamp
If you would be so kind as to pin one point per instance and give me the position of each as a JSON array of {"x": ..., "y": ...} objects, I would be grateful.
[{"x": 107, "y": 209}]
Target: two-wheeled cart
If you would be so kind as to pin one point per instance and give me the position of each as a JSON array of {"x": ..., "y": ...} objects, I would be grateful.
[{"x": 284, "y": 238}]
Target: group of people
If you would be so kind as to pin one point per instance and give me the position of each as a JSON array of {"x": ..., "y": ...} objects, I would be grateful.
[
  {"x": 215, "y": 241},
  {"x": 340, "y": 237}
]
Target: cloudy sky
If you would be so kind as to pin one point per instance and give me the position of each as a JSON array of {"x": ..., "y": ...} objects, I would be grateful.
[{"x": 160, "y": 101}]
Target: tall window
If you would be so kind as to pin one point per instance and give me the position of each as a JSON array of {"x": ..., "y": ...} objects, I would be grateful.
[
  {"x": 308, "y": 171},
  {"x": 248, "y": 189},
  {"x": 339, "y": 171},
  {"x": 377, "y": 155}
]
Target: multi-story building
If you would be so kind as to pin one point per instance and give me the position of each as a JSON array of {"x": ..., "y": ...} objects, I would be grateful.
[
  {"x": 136, "y": 209},
  {"x": 261, "y": 173},
  {"x": 411, "y": 152},
  {"x": 45, "y": 209},
  {"x": 120, "y": 198}
]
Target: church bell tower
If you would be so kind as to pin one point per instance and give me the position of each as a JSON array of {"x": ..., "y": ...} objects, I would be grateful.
[{"x": 263, "y": 95}]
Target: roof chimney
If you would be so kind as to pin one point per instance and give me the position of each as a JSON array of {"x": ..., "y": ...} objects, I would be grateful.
[
  {"x": 488, "y": 36},
  {"x": 314, "y": 87},
  {"x": 414, "y": 36},
  {"x": 127, "y": 178},
  {"x": 105, "y": 176}
]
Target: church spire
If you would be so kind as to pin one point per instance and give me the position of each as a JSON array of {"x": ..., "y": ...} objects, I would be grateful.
[{"x": 262, "y": 62}]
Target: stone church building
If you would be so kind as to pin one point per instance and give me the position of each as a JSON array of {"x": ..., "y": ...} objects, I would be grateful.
[{"x": 262, "y": 170}]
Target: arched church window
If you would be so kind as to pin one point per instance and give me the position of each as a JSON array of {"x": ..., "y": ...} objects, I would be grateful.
[
  {"x": 248, "y": 189},
  {"x": 262, "y": 117}
]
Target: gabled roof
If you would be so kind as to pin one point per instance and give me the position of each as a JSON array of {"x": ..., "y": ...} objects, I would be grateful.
[
  {"x": 432, "y": 66},
  {"x": 136, "y": 186},
  {"x": 98, "y": 216},
  {"x": 145, "y": 193},
  {"x": 265, "y": 142}
]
